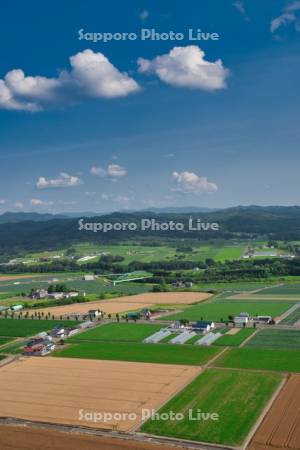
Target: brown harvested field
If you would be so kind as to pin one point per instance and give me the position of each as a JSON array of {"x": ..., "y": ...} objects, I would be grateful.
[
  {"x": 54, "y": 390},
  {"x": 28, "y": 438},
  {"x": 16, "y": 277},
  {"x": 128, "y": 303},
  {"x": 280, "y": 428}
]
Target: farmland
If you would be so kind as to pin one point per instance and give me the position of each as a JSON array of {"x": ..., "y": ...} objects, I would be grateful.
[
  {"x": 218, "y": 310},
  {"x": 280, "y": 427},
  {"x": 28, "y": 327},
  {"x": 56, "y": 390},
  {"x": 118, "y": 332},
  {"x": 4, "y": 340},
  {"x": 151, "y": 353},
  {"x": 260, "y": 359},
  {"x": 222, "y": 392},
  {"x": 232, "y": 340},
  {"x": 284, "y": 339}
]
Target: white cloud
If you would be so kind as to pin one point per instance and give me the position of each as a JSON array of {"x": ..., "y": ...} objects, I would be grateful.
[
  {"x": 144, "y": 15},
  {"x": 64, "y": 181},
  {"x": 113, "y": 170},
  {"x": 123, "y": 199},
  {"x": 191, "y": 183},
  {"x": 287, "y": 16},
  {"x": 38, "y": 202},
  {"x": 3, "y": 201},
  {"x": 187, "y": 67},
  {"x": 19, "y": 205},
  {"x": 98, "y": 171},
  {"x": 91, "y": 76},
  {"x": 240, "y": 7}
]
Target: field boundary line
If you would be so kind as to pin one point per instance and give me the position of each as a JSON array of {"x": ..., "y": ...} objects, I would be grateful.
[
  {"x": 248, "y": 338},
  {"x": 212, "y": 360},
  {"x": 265, "y": 411}
]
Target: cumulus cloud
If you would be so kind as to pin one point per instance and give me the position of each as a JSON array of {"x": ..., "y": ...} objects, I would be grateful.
[
  {"x": 187, "y": 67},
  {"x": 18, "y": 205},
  {"x": 191, "y": 183},
  {"x": 92, "y": 75},
  {"x": 64, "y": 181},
  {"x": 38, "y": 202},
  {"x": 112, "y": 170},
  {"x": 287, "y": 16}
]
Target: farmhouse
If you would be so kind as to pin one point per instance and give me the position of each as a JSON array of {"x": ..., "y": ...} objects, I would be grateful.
[
  {"x": 39, "y": 347},
  {"x": 56, "y": 295},
  {"x": 240, "y": 321},
  {"x": 95, "y": 313},
  {"x": 88, "y": 277},
  {"x": 203, "y": 326},
  {"x": 39, "y": 294}
]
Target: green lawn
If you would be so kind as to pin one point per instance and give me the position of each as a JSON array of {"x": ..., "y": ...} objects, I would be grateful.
[
  {"x": 29, "y": 327},
  {"x": 284, "y": 289},
  {"x": 152, "y": 353},
  {"x": 236, "y": 397},
  {"x": 260, "y": 359},
  {"x": 234, "y": 339},
  {"x": 131, "y": 332},
  {"x": 221, "y": 310},
  {"x": 285, "y": 339}
]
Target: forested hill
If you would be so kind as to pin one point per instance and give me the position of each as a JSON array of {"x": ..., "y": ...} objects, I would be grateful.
[{"x": 57, "y": 232}]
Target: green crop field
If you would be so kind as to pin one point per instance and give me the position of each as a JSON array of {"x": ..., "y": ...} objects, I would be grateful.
[
  {"x": 292, "y": 318},
  {"x": 152, "y": 353},
  {"x": 236, "y": 397},
  {"x": 13, "y": 348},
  {"x": 221, "y": 310},
  {"x": 285, "y": 339},
  {"x": 118, "y": 332},
  {"x": 29, "y": 327},
  {"x": 284, "y": 289},
  {"x": 234, "y": 339},
  {"x": 5, "y": 340},
  {"x": 260, "y": 359}
]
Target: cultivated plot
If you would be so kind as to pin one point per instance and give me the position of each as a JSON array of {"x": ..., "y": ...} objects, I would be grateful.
[
  {"x": 221, "y": 310},
  {"x": 156, "y": 353},
  {"x": 128, "y": 303},
  {"x": 281, "y": 426},
  {"x": 260, "y": 359},
  {"x": 127, "y": 332},
  {"x": 285, "y": 339},
  {"x": 29, "y": 327},
  {"x": 236, "y": 397},
  {"x": 67, "y": 391}
]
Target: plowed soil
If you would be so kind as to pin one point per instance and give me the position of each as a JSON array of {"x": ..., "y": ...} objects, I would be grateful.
[{"x": 280, "y": 429}]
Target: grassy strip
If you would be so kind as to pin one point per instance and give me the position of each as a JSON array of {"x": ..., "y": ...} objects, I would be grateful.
[
  {"x": 151, "y": 353},
  {"x": 127, "y": 332}
]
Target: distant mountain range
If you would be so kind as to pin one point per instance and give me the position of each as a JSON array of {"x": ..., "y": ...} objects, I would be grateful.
[
  {"x": 46, "y": 231},
  {"x": 251, "y": 210}
]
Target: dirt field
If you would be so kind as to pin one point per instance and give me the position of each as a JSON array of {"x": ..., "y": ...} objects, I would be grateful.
[
  {"x": 128, "y": 303},
  {"x": 233, "y": 331},
  {"x": 55, "y": 390},
  {"x": 20, "y": 438},
  {"x": 281, "y": 427}
]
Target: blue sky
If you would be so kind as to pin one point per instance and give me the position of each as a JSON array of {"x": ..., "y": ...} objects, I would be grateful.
[{"x": 149, "y": 125}]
